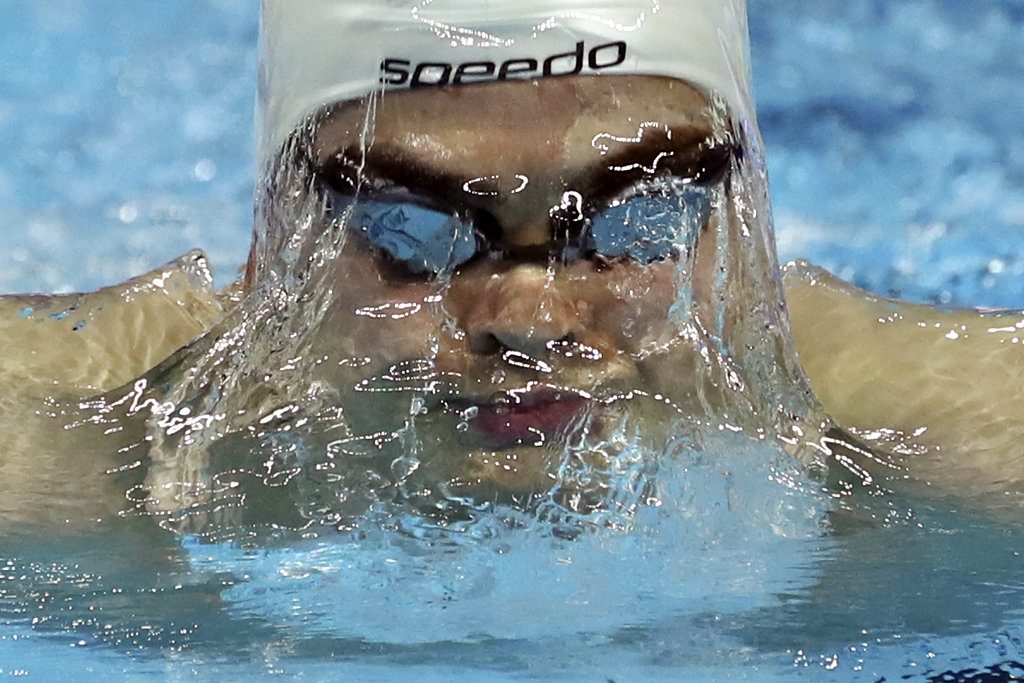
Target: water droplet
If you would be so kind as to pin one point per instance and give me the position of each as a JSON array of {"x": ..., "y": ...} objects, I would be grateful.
[
  {"x": 128, "y": 213},
  {"x": 204, "y": 171},
  {"x": 417, "y": 406}
]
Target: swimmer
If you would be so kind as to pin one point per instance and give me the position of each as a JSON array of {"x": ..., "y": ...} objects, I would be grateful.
[
  {"x": 493, "y": 254},
  {"x": 524, "y": 278}
]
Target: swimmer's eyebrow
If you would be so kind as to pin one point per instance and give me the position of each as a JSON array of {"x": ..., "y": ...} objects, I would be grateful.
[
  {"x": 387, "y": 162},
  {"x": 686, "y": 154}
]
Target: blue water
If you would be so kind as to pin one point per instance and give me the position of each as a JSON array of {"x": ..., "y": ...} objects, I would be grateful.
[
  {"x": 895, "y": 150},
  {"x": 894, "y": 142}
]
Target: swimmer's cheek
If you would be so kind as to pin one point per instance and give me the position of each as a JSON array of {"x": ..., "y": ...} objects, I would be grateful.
[
  {"x": 386, "y": 331},
  {"x": 632, "y": 303}
]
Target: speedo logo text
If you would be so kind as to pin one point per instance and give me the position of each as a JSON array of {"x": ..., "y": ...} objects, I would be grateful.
[{"x": 403, "y": 72}]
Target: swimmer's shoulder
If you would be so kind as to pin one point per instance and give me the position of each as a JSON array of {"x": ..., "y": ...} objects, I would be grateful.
[
  {"x": 94, "y": 341},
  {"x": 941, "y": 383}
]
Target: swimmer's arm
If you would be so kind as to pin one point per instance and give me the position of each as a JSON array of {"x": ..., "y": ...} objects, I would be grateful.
[
  {"x": 949, "y": 381},
  {"x": 93, "y": 342},
  {"x": 66, "y": 463}
]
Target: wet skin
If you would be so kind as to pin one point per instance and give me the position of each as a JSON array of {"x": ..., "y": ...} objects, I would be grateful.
[{"x": 535, "y": 347}]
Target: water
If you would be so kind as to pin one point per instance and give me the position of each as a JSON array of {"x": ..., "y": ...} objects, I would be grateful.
[
  {"x": 897, "y": 587},
  {"x": 893, "y": 145},
  {"x": 82, "y": 84}
]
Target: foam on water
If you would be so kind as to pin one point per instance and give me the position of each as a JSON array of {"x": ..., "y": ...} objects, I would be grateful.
[{"x": 700, "y": 545}]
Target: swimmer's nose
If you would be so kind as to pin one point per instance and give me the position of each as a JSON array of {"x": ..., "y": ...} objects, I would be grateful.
[{"x": 523, "y": 310}]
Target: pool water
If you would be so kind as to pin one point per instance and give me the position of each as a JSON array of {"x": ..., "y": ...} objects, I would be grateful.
[{"x": 893, "y": 140}]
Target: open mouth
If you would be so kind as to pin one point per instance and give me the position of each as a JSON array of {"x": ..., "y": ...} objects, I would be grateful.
[{"x": 514, "y": 418}]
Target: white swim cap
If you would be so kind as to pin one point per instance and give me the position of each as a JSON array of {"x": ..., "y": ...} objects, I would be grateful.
[{"x": 318, "y": 52}]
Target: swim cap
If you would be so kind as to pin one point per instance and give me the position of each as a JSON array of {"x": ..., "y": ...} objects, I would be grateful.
[{"x": 318, "y": 52}]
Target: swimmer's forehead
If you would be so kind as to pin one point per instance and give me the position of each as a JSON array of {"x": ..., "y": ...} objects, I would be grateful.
[{"x": 495, "y": 127}]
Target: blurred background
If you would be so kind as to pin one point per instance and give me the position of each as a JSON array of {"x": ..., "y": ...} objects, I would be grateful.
[{"x": 893, "y": 136}]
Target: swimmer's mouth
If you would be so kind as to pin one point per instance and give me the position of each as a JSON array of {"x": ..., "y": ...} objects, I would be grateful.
[{"x": 527, "y": 418}]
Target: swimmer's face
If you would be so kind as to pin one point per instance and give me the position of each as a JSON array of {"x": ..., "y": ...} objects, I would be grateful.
[{"x": 513, "y": 255}]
